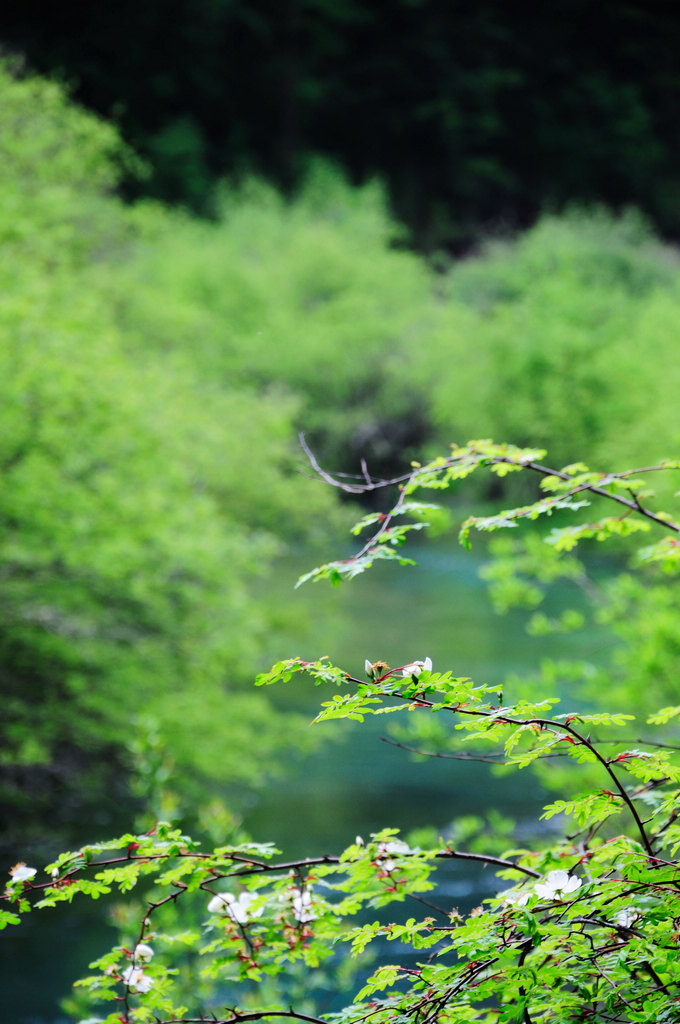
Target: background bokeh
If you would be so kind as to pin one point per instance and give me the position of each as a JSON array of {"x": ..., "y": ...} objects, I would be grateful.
[{"x": 390, "y": 226}]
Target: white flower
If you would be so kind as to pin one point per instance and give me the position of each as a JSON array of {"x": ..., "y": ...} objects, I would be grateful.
[
  {"x": 302, "y": 903},
  {"x": 416, "y": 667},
  {"x": 358, "y": 841},
  {"x": 21, "y": 873},
  {"x": 626, "y": 918},
  {"x": 142, "y": 953},
  {"x": 220, "y": 904},
  {"x": 136, "y": 979},
  {"x": 239, "y": 910},
  {"x": 376, "y": 669},
  {"x": 557, "y": 884},
  {"x": 394, "y": 846},
  {"x": 515, "y": 898}
]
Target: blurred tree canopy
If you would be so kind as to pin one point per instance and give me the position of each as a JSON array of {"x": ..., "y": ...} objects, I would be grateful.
[
  {"x": 155, "y": 369},
  {"x": 477, "y": 116},
  {"x": 130, "y": 541}
]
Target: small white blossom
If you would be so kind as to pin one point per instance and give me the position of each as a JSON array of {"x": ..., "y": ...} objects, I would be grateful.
[
  {"x": 219, "y": 904},
  {"x": 302, "y": 906},
  {"x": 21, "y": 873},
  {"x": 54, "y": 874},
  {"x": 626, "y": 918},
  {"x": 375, "y": 669},
  {"x": 136, "y": 979},
  {"x": 358, "y": 841},
  {"x": 416, "y": 667},
  {"x": 557, "y": 884},
  {"x": 239, "y": 910},
  {"x": 142, "y": 953},
  {"x": 515, "y": 898},
  {"x": 394, "y": 846}
]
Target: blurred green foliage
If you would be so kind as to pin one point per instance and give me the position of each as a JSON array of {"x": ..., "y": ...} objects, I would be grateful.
[
  {"x": 308, "y": 299},
  {"x": 564, "y": 339},
  {"x": 130, "y": 539},
  {"x": 557, "y": 338},
  {"x": 154, "y": 372}
]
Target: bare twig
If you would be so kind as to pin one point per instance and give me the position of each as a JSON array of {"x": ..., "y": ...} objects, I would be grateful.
[{"x": 632, "y": 504}]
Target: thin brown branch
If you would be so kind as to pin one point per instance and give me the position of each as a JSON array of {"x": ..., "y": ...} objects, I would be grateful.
[
  {"x": 486, "y": 759},
  {"x": 368, "y": 485},
  {"x": 528, "y": 944},
  {"x": 483, "y": 858},
  {"x": 634, "y": 506},
  {"x": 545, "y": 723},
  {"x": 639, "y": 739},
  {"x": 497, "y": 759},
  {"x": 239, "y": 1017}
]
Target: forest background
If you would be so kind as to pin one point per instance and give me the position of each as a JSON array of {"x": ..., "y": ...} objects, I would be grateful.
[{"x": 390, "y": 226}]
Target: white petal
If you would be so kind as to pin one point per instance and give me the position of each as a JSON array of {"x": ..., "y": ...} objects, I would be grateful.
[
  {"x": 515, "y": 899},
  {"x": 135, "y": 979},
  {"x": 143, "y": 953},
  {"x": 241, "y": 911},
  {"x": 22, "y": 873},
  {"x": 220, "y": 904},
  {"x": 557, "y": 879},
  {"x": 626, "y": 918},
  {"x": 394, "y": 846},
  {"x": 302, "y": 903},
  {"x": 368, "y": 667},
  {"x": 416, "y": 667}
]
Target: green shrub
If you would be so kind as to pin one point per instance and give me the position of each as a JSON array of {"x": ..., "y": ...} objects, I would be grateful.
[
  {"x": 131, "y": 545},
  {"x": 570, "y": 337}
]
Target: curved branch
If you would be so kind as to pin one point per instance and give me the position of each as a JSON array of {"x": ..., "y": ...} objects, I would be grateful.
[
  {"x": 483, "y": 858},
  {"x": 632, "y": 504},
  {"x": 545, "y": 723},
  {"x": 237, "y": 1017}
]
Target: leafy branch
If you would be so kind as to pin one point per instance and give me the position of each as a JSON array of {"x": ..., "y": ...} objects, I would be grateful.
[
  {"x": 588, "y": 928},
  {"x": 565, "y": 484}
]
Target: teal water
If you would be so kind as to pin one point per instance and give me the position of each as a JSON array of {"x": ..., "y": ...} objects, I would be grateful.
[
  {"x": 359, "y": 784},
  {"x": 353, "y": 783}
]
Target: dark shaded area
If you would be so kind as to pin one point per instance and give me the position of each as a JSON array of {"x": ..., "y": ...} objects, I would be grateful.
[{"x": 478, "y": 116}]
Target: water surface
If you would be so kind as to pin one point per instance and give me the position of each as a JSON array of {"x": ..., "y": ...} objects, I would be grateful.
[{"x": 353, "y": 783}]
